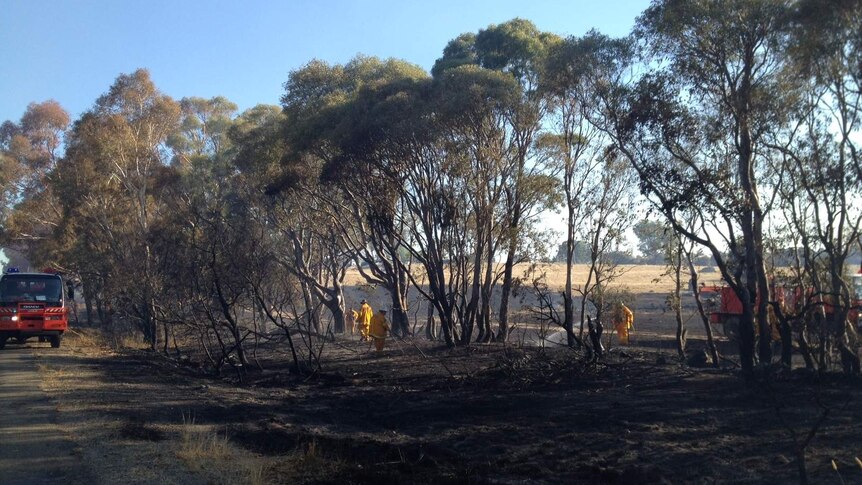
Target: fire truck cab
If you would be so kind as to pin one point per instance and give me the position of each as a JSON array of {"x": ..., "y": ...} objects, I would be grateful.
[
  {"x": 724, "y": 307},
  {"x": 32, "y": 305}
]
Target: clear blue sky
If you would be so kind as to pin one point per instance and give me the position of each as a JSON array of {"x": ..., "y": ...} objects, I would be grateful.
[{"x": 72, "y": 51}]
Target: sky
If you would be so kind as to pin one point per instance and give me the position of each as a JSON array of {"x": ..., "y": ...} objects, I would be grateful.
[{"x": 72, "y": 51}]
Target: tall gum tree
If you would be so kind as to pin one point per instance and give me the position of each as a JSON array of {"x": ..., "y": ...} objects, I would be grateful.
[
  {"x": 259, "y": 147},
  {"x": 332, "y": 127},
  {"x": 212, "y": 216},
  {"x": 121, "y": 150},
  {"x": 29, "y": 151},
  {"x": 514, "y": 48},
  {"x": 693, "y": 128},
  {"x": 366, "y": 172},
  {"x": 472, "y": 102},
  {"x": 819, "y": 158},
  {"x": 424, "y": 146},
  {"x": 597, "y": 191}
]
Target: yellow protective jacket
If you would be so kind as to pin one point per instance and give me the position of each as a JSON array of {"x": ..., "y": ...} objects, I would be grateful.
[
  {"x": 379, "y": 326},
  {"x": 625, "y": 318},
  {"x": 628, "y": 318},
  {"x": 365, "y": 314}
]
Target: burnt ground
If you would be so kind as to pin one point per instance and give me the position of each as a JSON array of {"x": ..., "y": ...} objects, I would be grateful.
[{"x": 421, "y": 413}]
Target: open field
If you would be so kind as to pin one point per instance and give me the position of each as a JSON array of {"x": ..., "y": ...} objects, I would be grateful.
[
  {"x": 422, "y": 413},
  {"x": 647, "y": 285},
  {"x": 643, "y": 278}
]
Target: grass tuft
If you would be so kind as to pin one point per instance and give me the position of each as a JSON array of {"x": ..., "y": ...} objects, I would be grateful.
[{"x": 210, "y": 453}]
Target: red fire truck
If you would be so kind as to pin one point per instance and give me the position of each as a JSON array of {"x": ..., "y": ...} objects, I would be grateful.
[
  {"x": 725, "y": 308},
  {"x": 32, "y": 305}
]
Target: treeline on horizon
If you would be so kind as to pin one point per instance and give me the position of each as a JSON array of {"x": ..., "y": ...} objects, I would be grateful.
[{"x": 718, "y": 129}]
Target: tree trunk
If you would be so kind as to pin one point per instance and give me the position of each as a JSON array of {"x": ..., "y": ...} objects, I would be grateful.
[
  {"x": 677, "y": 303},
  {"x": 840, "y": 309},
  {"x": 710, "y": 341},
  {"x": 88, "y": 303},
  {"x": 400, "y": 318},
  {"x": 448, "y": 327},
  {"x": 339, "y": 306},
  {"x": 309, "y": 306},
  {"x": 430, "y": 327},
  {"x": 468, "y": 324},
  {"x": 746, "y": 331},
  {"x": 508, "y": 269},
  {"x": 397, "y": 287},
  {"x": 568, "y": 297},
  {"x": 487, "y": 290},
  {"x": 805, "y": 348}
]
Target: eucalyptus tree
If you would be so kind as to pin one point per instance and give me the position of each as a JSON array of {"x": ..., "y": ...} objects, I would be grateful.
[
  {"x": 203, "y": 133},
  {"x": 653, "y": 237},
  {"x": 259, "y": 146},
  {"x": 35, "y": 142},
  {"x": 402, "y": 136},
  {"x": 94, "y": 213},
  {"x": 110, "y": 184},
  {"x": 817, "y": 173},
  {"x": 29, "y": 151},
  {"x": 331, "y": 128},
  {"x": 820, "y": 217},
  {"x": 473, "y": 103},
  {"x": 515, "y": 49},
  {"x": 436, "y": 215},
  {"x": 579, "y": 147},
  {"x": 693, "y": 127},
  {"x": 393, "y": 132},
  {"x": 209, "y": 223}
]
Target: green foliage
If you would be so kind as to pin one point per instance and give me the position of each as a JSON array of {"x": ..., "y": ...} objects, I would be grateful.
[
  {"x": 515, "y": 47},
  {"x": 458, "y": 52},
  {"x": 467, "y": 94},
  {"x": 581, "y": 254},
  {"x": 654, "y": 239}
]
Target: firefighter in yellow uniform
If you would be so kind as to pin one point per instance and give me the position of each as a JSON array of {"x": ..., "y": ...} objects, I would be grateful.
[
  {"x": 364, "y": 319},
  {"x": 624, "y": 321},
  {"x": 354, "y": 322},
  {"x": 379, "y": 329}
]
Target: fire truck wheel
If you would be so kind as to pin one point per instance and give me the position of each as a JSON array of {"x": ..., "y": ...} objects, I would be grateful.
[
  {"x": 3, "y": 342},
  {"x": 55, "y": 342},
  {"x": 20, "y": 340},
  {"x": 731, "y": 328}
]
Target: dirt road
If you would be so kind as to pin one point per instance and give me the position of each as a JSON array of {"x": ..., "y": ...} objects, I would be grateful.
[{"x": 33, "y": 450}]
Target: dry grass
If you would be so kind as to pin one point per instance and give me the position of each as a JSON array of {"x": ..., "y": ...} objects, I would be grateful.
[
  {"x": 637, "y": 278},
  {"x": 126, "y": 340},
  {"x": 52, "y": 376},
  {"x": 308, "y": 464},
  {"x": 86, "y": 337},
  {"x": 95, "y": 340},
  {"x": 210, "y": 453}
]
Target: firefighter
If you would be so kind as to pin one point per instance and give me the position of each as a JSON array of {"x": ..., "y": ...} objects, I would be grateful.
[
  {"x": 354, "y": 322},
  {"x": 379, "y": 329},
  {"x": 364, "y": 319},
  {"x": 624, "y": 321}
]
